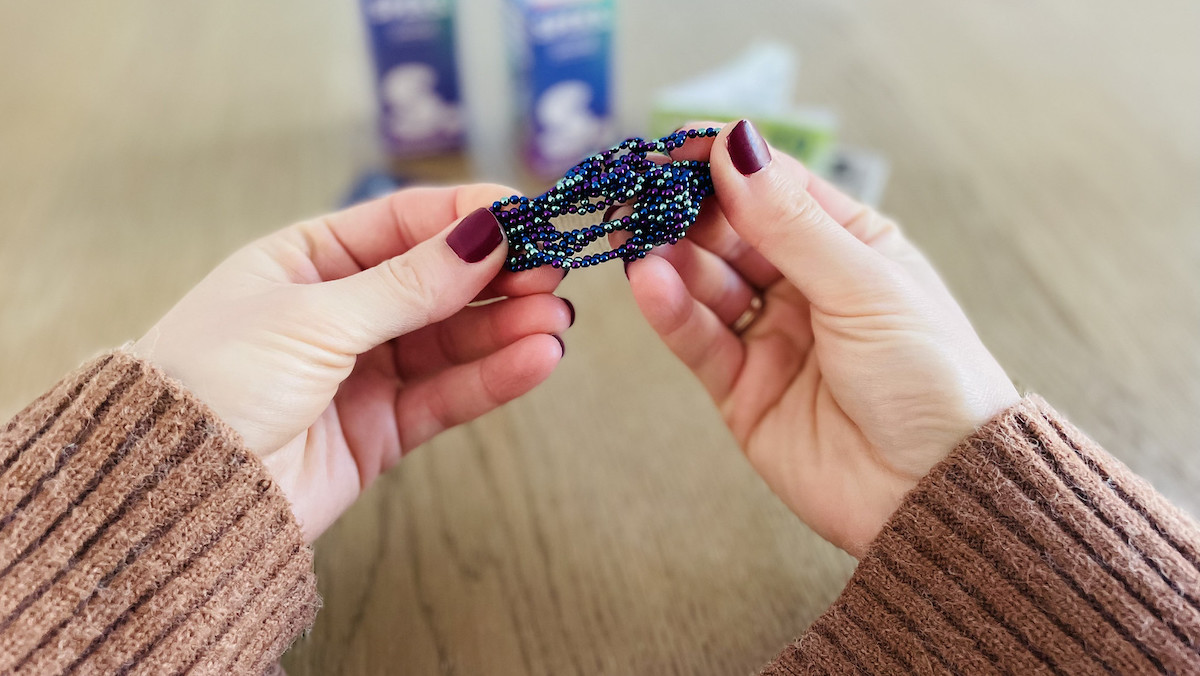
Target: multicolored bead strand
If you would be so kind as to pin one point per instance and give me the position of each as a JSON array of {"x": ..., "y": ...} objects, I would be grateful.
[{"x": 665, "y": 198}]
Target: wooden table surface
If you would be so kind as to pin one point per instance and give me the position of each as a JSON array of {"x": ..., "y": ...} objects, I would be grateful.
[{"x": 1045, "y": 155}]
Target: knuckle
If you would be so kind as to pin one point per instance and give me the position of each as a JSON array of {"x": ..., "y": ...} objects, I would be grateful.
[
  {"x": 872, "y": 227},
  {"x": 796, "y": 210},
  {"x": 791, "y": 193},
  {"x": 893, "y": 275},
  {"x": 409, "y": 284},
  {"x": 806, "y": 213},
  {"x": 675, "y": 321},
  {"x": 887, "y": 224}
]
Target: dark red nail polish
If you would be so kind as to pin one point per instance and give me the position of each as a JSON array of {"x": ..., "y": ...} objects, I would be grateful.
[
  {"x": 571, "y": 309},
  {"x": 610, "y": 211},
  {"x": 747, "y": 148},
  {"x": 561, "y": 345},
  {"x": 476, "y": 236}
]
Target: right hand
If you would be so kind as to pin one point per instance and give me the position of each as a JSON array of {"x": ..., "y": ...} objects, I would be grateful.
[{"x": 860, "y": 374}]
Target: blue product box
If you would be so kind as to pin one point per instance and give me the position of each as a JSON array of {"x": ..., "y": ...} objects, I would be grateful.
[
  {"x": 561, "y": 54},
  {"x": 416, "y": 75}
]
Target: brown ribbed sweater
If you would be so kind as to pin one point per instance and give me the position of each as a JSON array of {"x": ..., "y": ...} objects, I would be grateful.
[
  {"x": 1030, "y": 550},
  {"x": 137, "y": 535}
]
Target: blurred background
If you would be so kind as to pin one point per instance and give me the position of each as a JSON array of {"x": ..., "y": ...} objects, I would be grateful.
[{"x": 1046, "y": 156}]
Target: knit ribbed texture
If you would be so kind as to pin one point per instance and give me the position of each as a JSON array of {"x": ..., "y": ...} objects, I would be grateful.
[
  {"x": 137, "y": 535},
  {"x": 1029, "y": 550}
]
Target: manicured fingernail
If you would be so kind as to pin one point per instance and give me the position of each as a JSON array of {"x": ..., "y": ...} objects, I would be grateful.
[
  {"x": 571, "y": 309},
  {"x": 610, "y": 211},
  {"x": 747, "y": 148},
  {"x": 561, "y": 345},
  {"x": 476, "y": 236}
]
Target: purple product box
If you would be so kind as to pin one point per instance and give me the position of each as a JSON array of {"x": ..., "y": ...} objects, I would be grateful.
[
  {"x": 561, "y": 54},
  {"x": 416, "y": 75}
]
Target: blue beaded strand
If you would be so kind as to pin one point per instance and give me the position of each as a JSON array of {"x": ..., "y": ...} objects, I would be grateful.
[{"x": 665, "y": 199}]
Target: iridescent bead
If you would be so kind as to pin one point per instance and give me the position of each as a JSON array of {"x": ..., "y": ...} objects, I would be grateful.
[{"x": 665, "y": 201}]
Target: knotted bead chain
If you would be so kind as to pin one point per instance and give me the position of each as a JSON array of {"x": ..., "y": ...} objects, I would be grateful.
[{"x": 665, "y": 197}]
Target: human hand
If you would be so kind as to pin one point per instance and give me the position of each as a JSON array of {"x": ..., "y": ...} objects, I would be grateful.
[
  {"x": 860, "y": 373},
  {"x": 338, "y": 344}
]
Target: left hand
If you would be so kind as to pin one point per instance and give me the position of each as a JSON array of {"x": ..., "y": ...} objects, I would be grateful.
[{"x": 338, "y": 344}]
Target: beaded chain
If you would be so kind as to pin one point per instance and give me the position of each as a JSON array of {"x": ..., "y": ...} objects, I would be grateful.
[{"x": 665, "y": 199}]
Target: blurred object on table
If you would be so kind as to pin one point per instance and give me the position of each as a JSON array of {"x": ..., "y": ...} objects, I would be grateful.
[
  {"x": 416, "y": 76},
  {"x": 758, "y": 84},
  {"x": 862, "y": 174},
  {"x": 370, "y": 185},
  {"x": 560, "y": 53}
]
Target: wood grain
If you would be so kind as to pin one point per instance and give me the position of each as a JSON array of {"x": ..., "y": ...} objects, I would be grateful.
[{"x": 1046, "y": 156}]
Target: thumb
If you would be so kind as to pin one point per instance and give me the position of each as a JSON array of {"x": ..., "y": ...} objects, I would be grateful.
[
  {"x": 426, "y": 284},
  {"x": 765, "y": 198}
]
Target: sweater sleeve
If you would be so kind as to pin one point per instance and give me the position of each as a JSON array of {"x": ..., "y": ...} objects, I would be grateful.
[
  {"x": 137, "y": 535},
  {"x": 1029, "y": 550}
]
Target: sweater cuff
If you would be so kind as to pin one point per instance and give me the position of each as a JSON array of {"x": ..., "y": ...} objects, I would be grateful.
[
  {"x": 1028, "y": 550},
  {"x": 138, "y": 535}
]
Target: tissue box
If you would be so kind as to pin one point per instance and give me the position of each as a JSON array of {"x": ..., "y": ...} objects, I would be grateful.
[
  {"x": 416, "y": 75},
  {"x": 808, "y": 134},
  {"x": 757, "y": 84},
  {"x": 561, "y": 58}
]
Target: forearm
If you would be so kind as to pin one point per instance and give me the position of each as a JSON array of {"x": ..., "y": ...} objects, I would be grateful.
[
  {"x": 1028, "y": 550},
  {"x": 138, "y": 535}
]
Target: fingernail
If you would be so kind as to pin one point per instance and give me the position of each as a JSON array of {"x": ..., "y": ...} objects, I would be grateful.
[
  {"x": 561, "y": 345},
  {"x": 476, "y": 236},
  {"x": 610, "y": 211},
  {"x": 747, "y": 148},
  {"x": 571, "y": 308}
]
